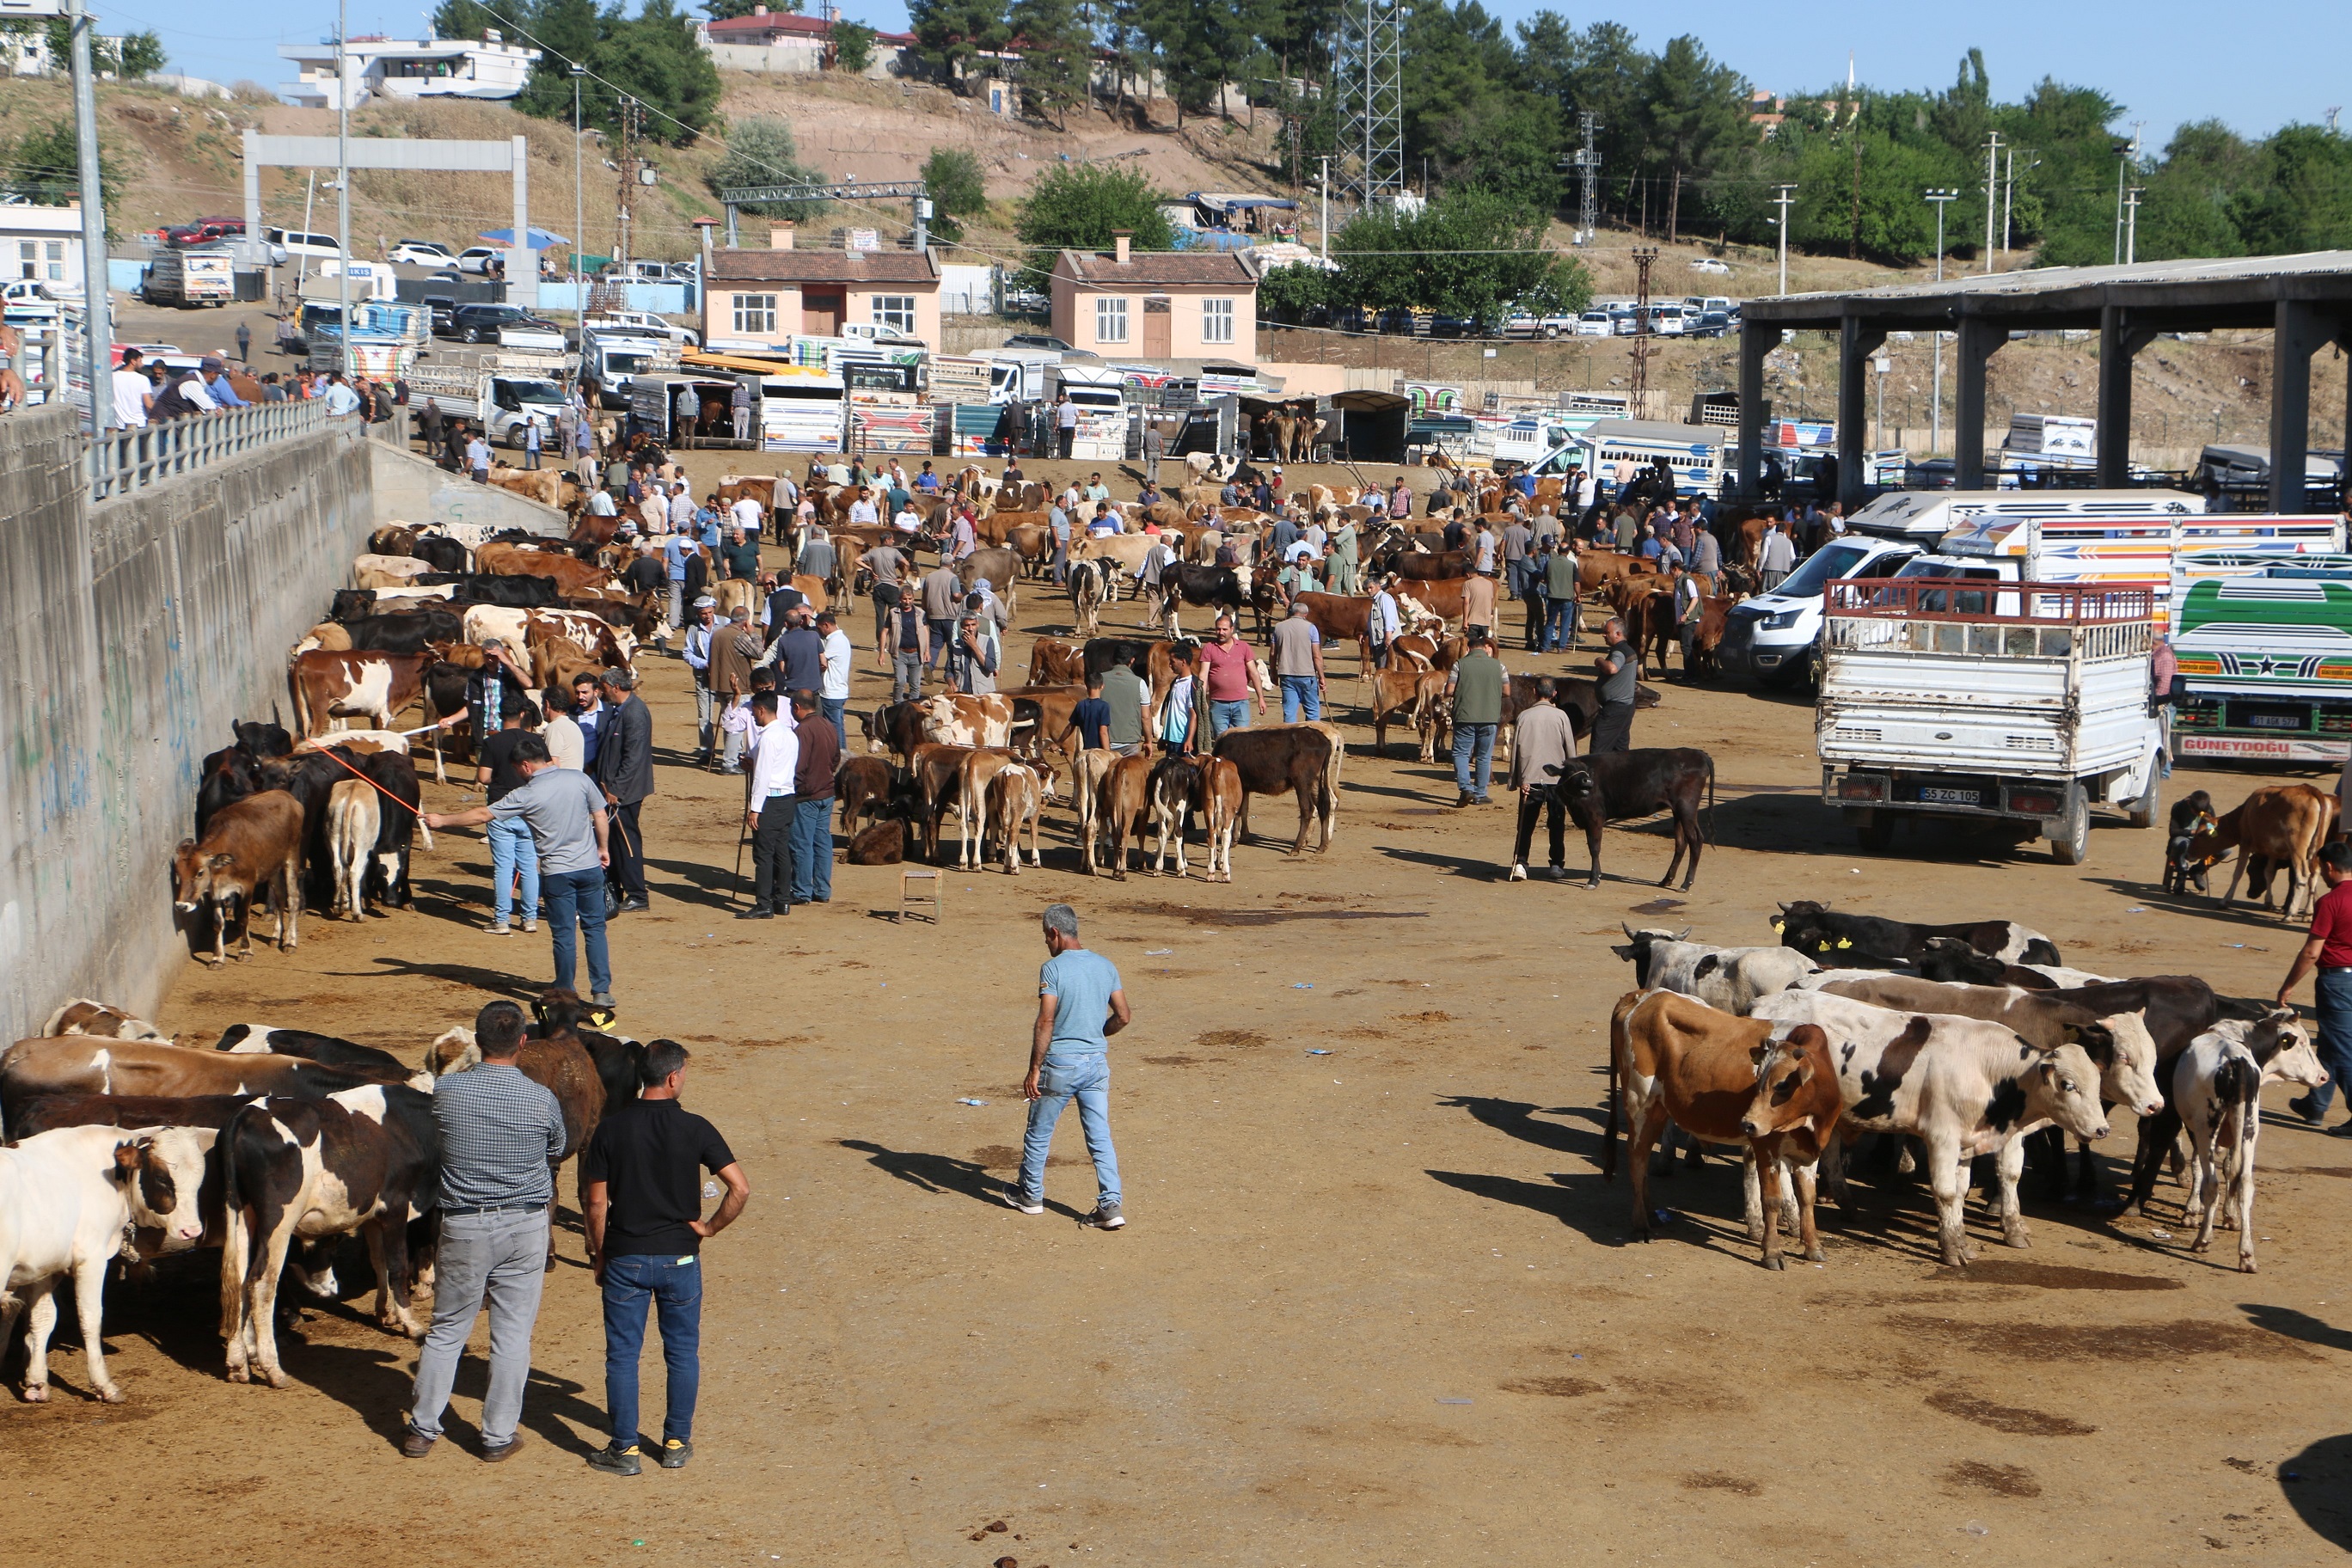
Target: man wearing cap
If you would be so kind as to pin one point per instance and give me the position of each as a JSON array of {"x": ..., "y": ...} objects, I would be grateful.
[
  {"x": 625, "y": 768},
  {"x": 699, "y": 634},
  {"x": 770, "y": 808},
  {"x": 1298, "y": 665},
  {"x": 216, "y": 374}
]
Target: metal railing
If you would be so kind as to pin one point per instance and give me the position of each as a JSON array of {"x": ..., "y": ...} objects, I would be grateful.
[{"x": 125, "y": 461}]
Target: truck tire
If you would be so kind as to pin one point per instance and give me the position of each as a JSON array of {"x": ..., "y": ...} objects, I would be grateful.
[
  {"x": 2070, "y": 837},
  {"x": 2141, "y": 812}
]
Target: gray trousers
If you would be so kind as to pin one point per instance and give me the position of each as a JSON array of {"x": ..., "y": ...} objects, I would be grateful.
[{"x": 501, "y": 1257}]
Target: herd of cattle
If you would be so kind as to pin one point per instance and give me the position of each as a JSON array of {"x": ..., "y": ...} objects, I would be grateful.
[
  {"x": 270, "y": 1144},
  {"x": 1971, "y": 1040}
]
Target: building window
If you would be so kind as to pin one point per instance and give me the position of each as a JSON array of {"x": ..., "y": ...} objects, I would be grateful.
[
  {"x": 1110, "y": 321},
  {"x": 1216, "y": 320},
  {"x": 756, "y": 315},
  {"x": 28, "y": 252},
  {"x": 894, "y": 310},
  {"x": 57, "y": 254}
]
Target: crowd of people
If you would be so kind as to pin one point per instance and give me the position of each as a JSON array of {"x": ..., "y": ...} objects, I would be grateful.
[{"x": 148, "y": 392}]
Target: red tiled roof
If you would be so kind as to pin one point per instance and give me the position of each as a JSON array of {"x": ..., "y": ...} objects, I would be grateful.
[
  {"x": 778, "y": 24},
  {"x": 1157, "y": 269},
  {"x": 796, "y": 266}
]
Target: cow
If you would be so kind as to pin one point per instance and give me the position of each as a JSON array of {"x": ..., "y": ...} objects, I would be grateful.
[
  {"x": 1728, "y": 979},
  {"x": 514, "y": 593},
  {"x": 884, "y": 844},
  {"x": 976, "y": 770},
  {"x": 1100, "y": 653},
  {"x": 2285, "y": 825},
  {"x": 1090, "y": 584},
  {"x": 1054, "y": 662},
  {"x": 1015, "y": 797},
  {"x": 1961, "y": 1086},
  {"x": 365, "y": 1160},
  {"x": 67, "y": 1198},
  {"x": 1171, "y": 793},
  {"x": 896, "y": 728},
  {"x": 77, "y": 1064},
  {"x": 353, "y": 823},
  {"x": 399, "y": 823},
  {"x": 1672, "y": 1057},
  {"x": 620, "y": 1062},
  {"x": 252, "y": 843},
  {"x": 2217, "y": 1086},
  {"x": 329, "y": 686},
  {"x": 328, "y": 1050},
  {"x": 935, "y": 770},
  {"x": 230, "y": 774},
  {"x": 1618, "y": 786},
  {"x": 103, "y": 1020},
  {"x": 1814, "y": 929},
  {"x": 961, "y": 718},
  {"x": 1413, "y": 697},
  {"x": 544, "y": 486},
  {"x": 1042, "y": 717},
  {"x": 1287, "y": 759},
  {"x": 47, "y": 1113},
  {"x": 1121, "y": 802},
  {"x": 400, "y": 568},
  {"x": 864, "y": 785},
  {"x": 570, "y": 576},
  {"x": 1181, "y": 585}
]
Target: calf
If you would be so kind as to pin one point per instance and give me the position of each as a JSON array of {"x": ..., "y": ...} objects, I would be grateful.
[
  {"x": 2119, "y": 1041},
  {"x": 229, "y": 774},
  {"x": 327, "y": 1050},
  {"x": 1672, "y": 1057},
  {"x": 1121, "y": 798},
  {"x": 864, "y": 786},
  {"x": 77, "y": 1064},
  {"x": 1417, "y": 694},
  {"x": 1618, "y": 786},
  {"x": 366, "y": 1160},
  {"x": 2284, "y": 824},
  {"x": 962, "y": 719},
  {"x": 1171, "y": 790},
  {"x": 83, "y": 1017},
  {"x": 1728, "y": 979},
  {"x": 2218, "y": 1087},
  {"x": 1089, "y": 584},
  {"x": 67, "y": 1198},
  {"x": 1015, "y": 797},
  {"x": 1053, "y": 662},
  {"x": 1219, "y": 796},
  {"x": 560, "y": 1061},
  {"x": 251, "y": 842},
  {"x": 353, "y": 823},
  {"x": 935, "y": 770},
  {"x": 1961, "y": 1086},
  {"x": 1813, "y": 928},
  {"x": 1287, "y": 759}
]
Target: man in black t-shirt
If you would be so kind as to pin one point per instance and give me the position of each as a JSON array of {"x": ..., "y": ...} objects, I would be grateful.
[{"x": 644, "y": 1170}]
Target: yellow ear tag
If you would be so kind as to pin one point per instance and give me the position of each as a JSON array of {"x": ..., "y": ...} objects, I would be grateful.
[{"x": 1846, "y": 942}]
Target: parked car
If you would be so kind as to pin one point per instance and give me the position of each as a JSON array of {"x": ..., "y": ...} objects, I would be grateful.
[
  {"x": 294, "y": 242},
  {"x": 1594, "y": 324},
  {"x": 422, "y": 253},
  {"x": 1710, "y": 325},
  {"x": 483, "y": 323},
  {"x": 443, "y": 308},
  {"x": 645, "y": 324},
  {"x": 1028, "y": 302},
  {"x": 476, "y": 259},
  {"x": 644, "y": 272},
  {"x": 1038, "y": 341},
  {"x": 1710, "y": 264}
]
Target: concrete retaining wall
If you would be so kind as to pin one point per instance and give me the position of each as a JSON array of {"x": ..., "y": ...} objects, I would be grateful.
[
  {"x": 132, "y": 633},
  {"x": 409, "y": 489}
]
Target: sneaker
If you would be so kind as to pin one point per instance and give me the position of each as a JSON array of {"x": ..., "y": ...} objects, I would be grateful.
[
  {"x": 634, "y": 906},
  {"x": 1107, "y": 1217},
  {"x": 529, "y": 927},
  {"x": 2301, "y": 1105},
  {"x": 615, "y": 1460},
  {"x": 1557, "y": 873},
  {"x": 1014, "y": 1200},
  {"x": 675, "y": 1453},
  {"x": 1519, "y": 872},
  {"x": 501, "y": 1452},
  {"x": 497, "y": 927},
  {"x": 603, "y": 999},
  {"x": 415, "y": 1445}
]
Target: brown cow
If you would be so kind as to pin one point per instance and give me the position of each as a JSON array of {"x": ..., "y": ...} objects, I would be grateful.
[
  {"x": 555, "y": 1059},
  {"x": 1443, "y": 600},
  {"x": 1415, "y": 694},
  {"x": 1050, "y": 709},
  {"x": 544, "y": 486},
  {"x": 1287, "y": 759},
  {"x": 863, "y": 784},
  {"x": 248, "y": 844},
  {"x": 83, "y": 1063},
  {"x": 1015, "y": 797},
  {"x": 1053, "y": 662},
  {"x": 935, "y": 770},
  {"x": 328, "y": 687},
  {"x": 2285, "y": 825},
  {"x": 1122, "y": 801},
  {"x": 1673, "y": 1058},
  {"x": 572, "y": 576}
]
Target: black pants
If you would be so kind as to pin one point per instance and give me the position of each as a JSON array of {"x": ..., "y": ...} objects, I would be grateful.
[
  {"x": 885, "y": 600},
  {"x": 627, "y": 842},
  {"x": 1062, "y": 443},
  {"x": 1613, "y": 729},
  {"x": 771, "y": 855},
  {"x": 1530, "y": 807}
]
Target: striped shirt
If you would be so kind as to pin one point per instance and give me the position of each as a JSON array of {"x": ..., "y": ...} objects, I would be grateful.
[{"x": 498, "y": 1130}]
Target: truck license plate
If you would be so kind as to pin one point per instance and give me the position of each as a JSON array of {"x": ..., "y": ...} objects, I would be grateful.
[
  {"x": 2275, "y": 720},
  {"x": 1934, "y": 796}
]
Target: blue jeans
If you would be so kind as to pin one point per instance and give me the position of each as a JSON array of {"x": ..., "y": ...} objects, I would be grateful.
[
  {"x": 673, "y": 1286},
  {"x": 511, "y": 847},
  {"x": 578, "y": 895},
  {"x": 1086, "y": 1078},
  {"x": 811, "y": 842},
  {"x": 1225, "y": 716},
  {"x": 1558, "y": 623},
  {"x": 1299, "y": 695},
  {"x": 2334, "y": 1035},
  {"x": 833, "y": 708},
  {"x": 1467, "y": 739}
]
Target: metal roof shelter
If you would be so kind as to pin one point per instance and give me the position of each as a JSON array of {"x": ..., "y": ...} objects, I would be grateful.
[{"x": 2304, "y": 301}]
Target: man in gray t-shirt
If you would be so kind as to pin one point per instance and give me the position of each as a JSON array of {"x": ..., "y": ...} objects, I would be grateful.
[
  {"x": 1080, "y": 1005},
  {"x": 565, "y": 811}
]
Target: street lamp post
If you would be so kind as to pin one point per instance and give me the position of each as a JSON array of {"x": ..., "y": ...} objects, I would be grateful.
[
  {"x": 578, "y": 199},
  {"x": 1882, "y": 362},
  {"x": 343, "y": 184},
  {"x": 1935, "y": 397}
]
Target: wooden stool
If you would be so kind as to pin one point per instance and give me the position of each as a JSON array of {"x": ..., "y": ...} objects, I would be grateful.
[{"x": 908, "y": 898}]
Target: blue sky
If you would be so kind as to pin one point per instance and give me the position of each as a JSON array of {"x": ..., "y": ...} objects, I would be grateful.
[{"x": 2257, "y": 64}]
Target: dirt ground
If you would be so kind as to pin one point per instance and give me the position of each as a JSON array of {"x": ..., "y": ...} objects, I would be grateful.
[{"x": 1378, "y": 1309}]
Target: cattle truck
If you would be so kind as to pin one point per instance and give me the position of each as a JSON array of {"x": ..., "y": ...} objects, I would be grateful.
[
  {"x": 2265, "y": 647},
  {"x": 199, "y": 276},
  {"x": 506, "y": 392},
  {"x": 2023, "y": 709}
]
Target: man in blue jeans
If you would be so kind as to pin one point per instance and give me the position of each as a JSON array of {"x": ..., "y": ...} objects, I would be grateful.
[
  {"x": 565, "y": 812},
  {"x": 1079, "y": 1006},
  {"x": 1298, "y": 665},
  {"x": 1477, "y": 683},
  {"x": 2329, "y": 949},
  {"x": 644, "y": 1170}
]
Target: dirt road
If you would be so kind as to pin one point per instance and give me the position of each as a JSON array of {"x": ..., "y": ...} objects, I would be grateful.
[{"x": 1374, "y": 1303}]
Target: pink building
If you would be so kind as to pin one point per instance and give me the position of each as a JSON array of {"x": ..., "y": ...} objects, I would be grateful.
[
  {"x": 760, "y": 297},
  {"x": 1175, "y": 304}
]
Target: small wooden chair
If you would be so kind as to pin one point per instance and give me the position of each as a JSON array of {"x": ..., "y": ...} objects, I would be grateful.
[{"x": 909, "y": 899}]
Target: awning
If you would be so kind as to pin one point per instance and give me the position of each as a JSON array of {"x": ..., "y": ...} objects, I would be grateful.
[{"x": 539, "y": 239}]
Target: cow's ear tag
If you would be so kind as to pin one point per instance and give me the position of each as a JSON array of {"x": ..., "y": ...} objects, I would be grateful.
[{"x": 1846, "y": 942}]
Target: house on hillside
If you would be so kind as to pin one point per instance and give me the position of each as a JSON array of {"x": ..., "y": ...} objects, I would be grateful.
[
  {"x": 781, "y": 41},
  {"x": 43, "y": 243},
  {"x": 410, "y": 67},
  {"x": 757, "y": 298},
  {"x": 1187, "y": 304}
]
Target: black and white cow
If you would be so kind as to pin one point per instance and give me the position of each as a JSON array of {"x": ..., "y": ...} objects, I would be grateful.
[
  {"x": 1727, "y": 978},
  {"x": 1817, "y": 931},
  {"x": 327, "y": 1050},
  {"x": 2217, "y": 1085}
]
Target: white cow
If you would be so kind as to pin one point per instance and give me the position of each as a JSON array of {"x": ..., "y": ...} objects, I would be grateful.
[
  {"x": 67, "y": 1198},
  {"x": 1729, "y": 979},
  {"x": 2217, "y": 1085},
  {"x": 83, "y": 1017},
  {"x": 2119, "y": 1042},
  {"x": 1963, "y": 1085}
]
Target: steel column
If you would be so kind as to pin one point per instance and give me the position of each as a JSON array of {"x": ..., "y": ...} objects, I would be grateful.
[
  {"x": 1980, "y": 339},
  {"x": 1858, "y": 341},
  {"x": 1755, "y": 341}
]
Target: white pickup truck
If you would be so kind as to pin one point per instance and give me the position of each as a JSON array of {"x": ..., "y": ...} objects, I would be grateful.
[
  {"x": 638, "y": 324},
  {"x": 2025, "y": 705}
]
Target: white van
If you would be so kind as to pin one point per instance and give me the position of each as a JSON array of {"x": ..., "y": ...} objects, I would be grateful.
[
  {"x": 297, "y": 244},
  {"x": 1773, "y": 636}
]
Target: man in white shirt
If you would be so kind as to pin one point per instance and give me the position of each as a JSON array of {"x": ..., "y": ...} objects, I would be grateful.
[
  {"x": 832, "y": 698},
  {"x": 769, "y": 807},
  {"x": 746, "y": 515},
  {"x": 341, "y": 399},
  {"x": 863, "y": 512},
  {"x": 132, "y": 392}
]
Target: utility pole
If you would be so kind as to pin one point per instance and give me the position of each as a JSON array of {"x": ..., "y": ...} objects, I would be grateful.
[
  {"x": 2131, "y": 223},
  {"x": 96, "y": 333},
  {"x": 628, "y": 161},
  {"x": 1782, "y": 201},
  {"x": 1992, "y": 185},
  {"x": 2127, "y": 155},
  {"x": 344, "y": 182},
  {"x": 1643, "y": 257},
  {"x": 1936, "y": 404},
  {"x": 1327, "y": 209},
  {"x": 1588, "y": 164}
]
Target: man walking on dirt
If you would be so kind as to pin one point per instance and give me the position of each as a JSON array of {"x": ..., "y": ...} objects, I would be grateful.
[
  {"x": 2329, "y": 950},
  {"x": 1080, "y": 1004}
]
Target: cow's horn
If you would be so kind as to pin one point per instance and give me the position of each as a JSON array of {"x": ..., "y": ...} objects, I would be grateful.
[
  {"x": 1630, "y": 934},
  {"x": 1684, "y": 935}
]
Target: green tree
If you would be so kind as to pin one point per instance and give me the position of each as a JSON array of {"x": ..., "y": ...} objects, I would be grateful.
[
  {"x": 950, "y": 35},
  {"x": 1192, "y": 39},
  {"x": 761, "y": 151},
  {"x": 652, "y": 57},
  {"x": 142, "y": 54},
  {"x": 2187, "y": 210},
  {"x": 1056, "y": 52},
  {"x": 1469, "y": 253},
  {"x": 464, "y": 19},
  {"x": 853, "y": 48},
  {"x": 2304, "y": 201},
  {"x": 1288, "y": 293},
  {"x": 1695, "y": 116},
  {"x": 959, "y": 190},
  {"x": 44, "y": 167},
  {"x": 1080, "y": 206}
]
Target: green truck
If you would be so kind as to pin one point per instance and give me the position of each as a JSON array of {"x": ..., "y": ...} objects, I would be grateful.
[{"x": 2265, "y": 646}]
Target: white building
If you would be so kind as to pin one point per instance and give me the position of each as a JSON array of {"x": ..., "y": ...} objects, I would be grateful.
[
  {"x": 40, "y": 243},
  {"x": 27, "y": 54},
  {"x": 785, "y": 41},
  {"x": 398, "y": 68}
]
